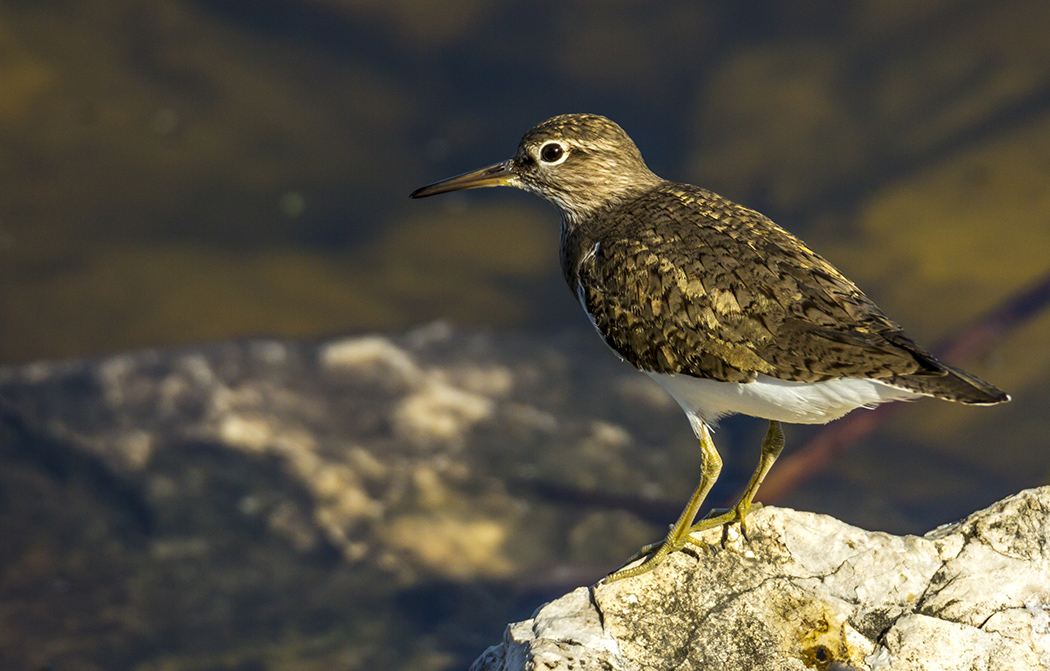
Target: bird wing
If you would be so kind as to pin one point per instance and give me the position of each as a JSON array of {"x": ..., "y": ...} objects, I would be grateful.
[{"x": 684, "y": 281}]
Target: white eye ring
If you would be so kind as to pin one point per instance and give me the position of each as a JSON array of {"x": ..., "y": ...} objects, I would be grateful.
[{"x": 553, "y": 153}]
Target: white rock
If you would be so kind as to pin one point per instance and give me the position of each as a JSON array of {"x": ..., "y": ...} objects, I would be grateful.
[{"x": 808, "y": 591}]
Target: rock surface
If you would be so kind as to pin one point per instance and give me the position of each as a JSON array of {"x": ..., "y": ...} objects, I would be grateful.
[
  {"x": 808, "y": 591},
  {"x": 379, "y": 501}
]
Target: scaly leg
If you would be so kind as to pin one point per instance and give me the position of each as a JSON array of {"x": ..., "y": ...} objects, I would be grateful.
[
  {"x": 772, "y": 445},
  {"x": 710, "y": 467}
]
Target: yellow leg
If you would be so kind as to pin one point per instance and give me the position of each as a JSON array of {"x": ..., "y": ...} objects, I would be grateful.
[
  {"x": 772, "y": 445},
  {"x": 710, "y": 467}
]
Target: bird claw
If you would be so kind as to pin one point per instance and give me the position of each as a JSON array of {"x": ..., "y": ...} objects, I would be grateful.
[
  {"x": 656, "y": 552},
  {"x": 724, "y": 518}
]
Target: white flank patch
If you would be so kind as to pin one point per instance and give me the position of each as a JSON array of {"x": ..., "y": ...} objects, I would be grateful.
[{"x": 770, "y": 398}]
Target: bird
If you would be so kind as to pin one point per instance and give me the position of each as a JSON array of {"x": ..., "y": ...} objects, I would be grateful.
[{"x": 724, "y": 309}]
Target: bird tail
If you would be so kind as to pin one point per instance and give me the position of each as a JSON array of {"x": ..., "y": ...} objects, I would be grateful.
[{"x": 952, "y": 384}]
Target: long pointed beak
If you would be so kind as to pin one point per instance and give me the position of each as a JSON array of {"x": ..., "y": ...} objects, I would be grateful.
[{"x": 500, "y": 174}]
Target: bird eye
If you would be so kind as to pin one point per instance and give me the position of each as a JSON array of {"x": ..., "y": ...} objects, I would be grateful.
[{"x": 551, "y": 152}]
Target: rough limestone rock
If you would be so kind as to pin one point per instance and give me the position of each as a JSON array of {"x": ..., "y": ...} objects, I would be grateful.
[{"x": 808, "y": 591}]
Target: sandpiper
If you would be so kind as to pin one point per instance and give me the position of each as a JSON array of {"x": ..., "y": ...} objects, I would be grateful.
[{"x": 723, "y": 308}]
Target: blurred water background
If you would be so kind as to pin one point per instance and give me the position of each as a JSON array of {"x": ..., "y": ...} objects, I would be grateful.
[{"x": 187, "y": 171}]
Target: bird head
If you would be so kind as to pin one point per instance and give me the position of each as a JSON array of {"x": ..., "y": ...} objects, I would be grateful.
[{"x": 580, "y": 162}]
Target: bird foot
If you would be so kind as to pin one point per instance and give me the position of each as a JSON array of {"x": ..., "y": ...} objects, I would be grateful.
[
  {"x": 657, "y": 552},
  {"x": 721, "y": 517}
]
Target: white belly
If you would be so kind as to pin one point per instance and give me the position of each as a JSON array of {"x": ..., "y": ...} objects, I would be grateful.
[{"x": 770, "y": 398}]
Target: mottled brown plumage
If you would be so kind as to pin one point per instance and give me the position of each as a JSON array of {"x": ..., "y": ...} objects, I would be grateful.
[
  {"x": 682, "y": 280},
  {"x": 725, "y": 309}
]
